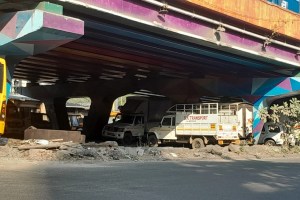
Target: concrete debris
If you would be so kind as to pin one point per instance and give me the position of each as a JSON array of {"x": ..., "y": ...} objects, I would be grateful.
[
  {"x": 48, "y": 146},
  {"x": 102, "y": 144},
  {"x": 213, "y": 149},
  {"x": 40, "y": 154},
  {"x": 234, "y": 148},
  {"x": 3, "y": 141},
  {"x": 140, "y": 152},
  {"x": 174, "y": 155},
  {"x": 34, "y": 149},
  {"x": 42, "y": 142}
]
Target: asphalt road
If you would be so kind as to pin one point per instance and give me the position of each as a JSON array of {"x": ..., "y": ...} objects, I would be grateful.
[{"x": 241, "y": 180}]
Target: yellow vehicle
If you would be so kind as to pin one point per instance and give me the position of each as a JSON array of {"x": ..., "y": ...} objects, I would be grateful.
[{"x": 2, "y": 95}]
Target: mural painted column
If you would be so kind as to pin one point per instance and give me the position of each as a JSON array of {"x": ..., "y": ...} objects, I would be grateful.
[
  {"x": 30, "y": 32},
  {"x": 263, "y": 89},
  {"x": 258, "y": 103}
]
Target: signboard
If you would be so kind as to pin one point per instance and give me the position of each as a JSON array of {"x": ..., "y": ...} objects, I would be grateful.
[{"x": 196, "y": 118}]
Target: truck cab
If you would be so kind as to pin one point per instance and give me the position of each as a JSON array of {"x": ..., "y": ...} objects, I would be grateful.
[
  {"x": 125, "y": 127},
  {"x": 166, "y": 129},
  {"x": 275, "y": 134}
]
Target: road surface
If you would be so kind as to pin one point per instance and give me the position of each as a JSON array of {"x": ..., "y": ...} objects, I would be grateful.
[{"x": 203, "y": 180}]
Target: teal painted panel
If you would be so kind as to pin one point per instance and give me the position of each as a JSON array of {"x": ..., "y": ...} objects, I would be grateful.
[
  {"x": 277, "y": 91},
  {"x": 34, "y": 23},
  {"x": 23, "y": 18},
  {"x": 50, "y": 7},
  {"x": 295, "y": 82},
  {"x": 4, "y": 39},
  {"x": 267, "y": 86}
]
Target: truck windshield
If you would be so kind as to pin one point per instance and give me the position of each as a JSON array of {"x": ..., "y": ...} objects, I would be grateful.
[{"x": 127, "y": 119}]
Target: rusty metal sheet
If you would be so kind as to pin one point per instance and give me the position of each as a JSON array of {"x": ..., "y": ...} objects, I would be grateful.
[{"x": 257, "y": 12}]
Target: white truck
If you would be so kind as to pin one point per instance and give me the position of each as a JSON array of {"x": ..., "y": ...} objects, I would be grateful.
[
  {"x": 137, "y": 116},
  {"x": 203, "y": 123}
]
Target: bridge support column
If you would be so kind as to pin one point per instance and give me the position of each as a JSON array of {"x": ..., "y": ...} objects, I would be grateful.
[
  {"x": 97, "y": 117},
  {"x": 29, "y": 32},
  {"x": 265, "y": 91},
  {"x": 61, "y": 113},
  {"x": 50, "y": 109},
  {"x": 258, "y": 103}
]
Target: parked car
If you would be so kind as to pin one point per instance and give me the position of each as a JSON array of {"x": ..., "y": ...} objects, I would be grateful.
[{"x": 275, "y": 134}]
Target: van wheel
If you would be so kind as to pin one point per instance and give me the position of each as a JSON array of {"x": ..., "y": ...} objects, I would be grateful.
[
  {"x": 152, "y": 141},
  {"x": 270, "y": 143},
  {"x": 127, "y": 139},
  {"x": 198, "y": 143}
]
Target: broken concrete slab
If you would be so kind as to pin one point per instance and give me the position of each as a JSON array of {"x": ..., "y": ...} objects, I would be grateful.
[{"x": 234, "y": 148}]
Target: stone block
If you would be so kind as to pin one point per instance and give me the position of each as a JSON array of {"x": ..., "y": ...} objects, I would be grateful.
[{"x": 47, "y": 134}]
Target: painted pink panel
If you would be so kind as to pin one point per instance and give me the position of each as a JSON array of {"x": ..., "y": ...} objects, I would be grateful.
[{"x": 63, "y": 23}]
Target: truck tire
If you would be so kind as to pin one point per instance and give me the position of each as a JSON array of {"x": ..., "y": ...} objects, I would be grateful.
[
  {"x": 270, "y": 143},
  {"x": 152, "y": 140},
  {"x": 127, "y": 139},
  {"x": 198, "y": 143}
]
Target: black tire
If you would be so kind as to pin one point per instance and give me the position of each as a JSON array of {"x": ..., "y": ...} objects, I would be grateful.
[
  {"x": 152, "y": 140},
  {"x": 127, "y": 139},
  {"x": 270, "y": 143},
  {"x": 198, "y": 143}
]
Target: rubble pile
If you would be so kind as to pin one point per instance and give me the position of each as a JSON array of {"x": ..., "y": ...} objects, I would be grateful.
[
  {"x": 110, "y": 151},
  {"x": 57, "y": 150}
]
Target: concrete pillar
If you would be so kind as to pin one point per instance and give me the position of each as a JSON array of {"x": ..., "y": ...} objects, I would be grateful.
[
  {"x": 98, "y": 115},
  {"x": 49, "y": 104},
  {"x": 61, "y": 113},
  {"x": 258, "y": 103},
  {"x": 29, "y": 32},
  {"x": 264, "y": 90}
]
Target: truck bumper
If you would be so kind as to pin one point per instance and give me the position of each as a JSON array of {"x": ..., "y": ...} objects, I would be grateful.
[
  {"x": 279, "y": 142},
  {"x": 114, "y": 135},
  {"x": 234, "y": 141}
]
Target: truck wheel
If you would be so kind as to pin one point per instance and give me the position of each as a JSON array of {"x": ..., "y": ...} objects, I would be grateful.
[
  {"x": 198, "y": 143},
  {"x": 270, "y": 143},
  {"x": 127, "y": 139},
  {"x": 152, "y": 141}
]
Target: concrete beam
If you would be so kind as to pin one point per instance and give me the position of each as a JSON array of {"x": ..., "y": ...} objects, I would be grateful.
[
  {"x": 175, "y": 25},
  {"x": 31, "y": 32}
]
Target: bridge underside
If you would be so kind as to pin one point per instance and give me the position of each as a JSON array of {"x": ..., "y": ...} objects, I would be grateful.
[
  {"x": 129, "y": 46},
  {"x": 172, "y": 45}
]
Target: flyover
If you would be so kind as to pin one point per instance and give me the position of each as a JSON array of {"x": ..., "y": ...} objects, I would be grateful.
[{"x": 130, "y": 45}]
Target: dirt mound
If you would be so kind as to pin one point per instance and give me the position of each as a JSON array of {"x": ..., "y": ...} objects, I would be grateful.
[{"x": 110, "y": 151}]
